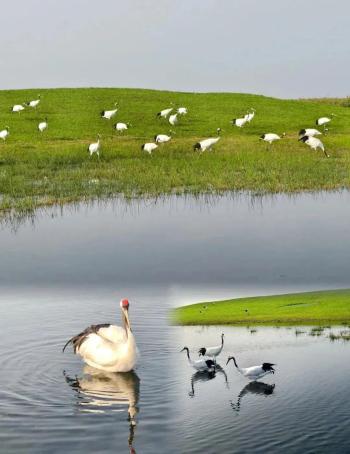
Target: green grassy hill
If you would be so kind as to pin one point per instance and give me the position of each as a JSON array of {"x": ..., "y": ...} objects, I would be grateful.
[
  {"x": 299, "y": 308},
  {"x": 54, "y": 167}
]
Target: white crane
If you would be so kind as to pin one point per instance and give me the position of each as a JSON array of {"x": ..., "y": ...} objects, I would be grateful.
[
  {"x": 149, "y": 147},
  {"x": 254, "y": 372},
  {"x": 108, "y": 347},
  {"x": 34, "y": 103},
  {"x": 203, "y": 364},
  {"x": 173, "y": 119},
  {"x": 311, "y": 132},
  {"x": 165, "y": 112},
  {"x": 5, "y": 133},
  {"x": 207, "y": 144},
  {"x": 122, "y": 126},
  {"x": 17, "y": 108},
  {"x": 95, "y": 147},
  {"x": 163, "y": 138},
  {"x": 250, "y": 115},
  {"x": 108, "y": 114},
  {"x": 212, "y": 352},
  {"x": 43, "y": 125},
  {"x": 239, "y": 122},
  {"x": 182, "y": 110},
  {"x": 323, "y": 121},
  {"x": 271, "y": 137},
  {"x": 314, "y": 143}
]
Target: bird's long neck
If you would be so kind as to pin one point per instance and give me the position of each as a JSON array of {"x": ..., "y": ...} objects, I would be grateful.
[
  {"x": 222, "y": 341},
  {"x": 188, "y": 355},
  {"x": 237, "y": 367}
]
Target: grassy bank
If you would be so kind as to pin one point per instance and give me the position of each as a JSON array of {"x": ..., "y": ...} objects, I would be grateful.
[
  {"x": 55, "y": 167},
  {"x": 299, "y": 308}
]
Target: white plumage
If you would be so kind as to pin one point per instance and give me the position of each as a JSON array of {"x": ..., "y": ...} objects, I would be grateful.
[
  {"x": 108, "y": 114},
  {"x": 254, "y": 372},
  {"x": 200, "y": 364},
  {"x": 149, "y": 147},
  {"x": 43, "y": 125},
  {"x": 207, "y": 144},
  {"x": 182, "y": 110},
  {"x": 271, "y": 137},
  {"x": 173, "y": 119},
  {"x": 311, "y": 132},
  {"x": 4, "y": 133},
  {"x": 250, "y": 115},
  {"x": 212, "y": 352},
  {"x": 323, "y": 121},
  {"x": 122, "y": 126},
  {"x": 239, "y": 122},
  {"x": 314, "y": 143},
  {"x": 164, "y": 113},
  {"x": 95, "y": 147},
  {"x": 162, "y": 138},
  {"x": 17, "y": 108},
  {"x": 108, "y": 347},
  {"x": 34, "y": 103}
]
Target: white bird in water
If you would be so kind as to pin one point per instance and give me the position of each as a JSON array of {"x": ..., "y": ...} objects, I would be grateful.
[
  {"x": 95, "y": 147},
  {"x": 200, "y": 364},
  {"x": 271, "y": 137},
  {"x": 108, "y": 347},
  {"x": 323, "y": 121},
  {"x": 149, "y": 147},
  {"x": 43, "y": 125},
  {"x": 207, "y": 144},
  {"x": 254, "y": 372},
  {"x": 314, "y": 143},
  {"x": 5, "y": 133},
  {"x": 122, "y": 126},
  {"x": 311, "y": 132},
  {"x": 34, "y": 103},
  {"x": 17, "y": 108},
  {"x": 162, "y": 138},
  {"x": 239, "y": 122},
  {"x": 250, "y": 115},
  {"x": 212, "y": 352},
  {"x": 108, "y": 114},
  {"x": 173, "y": 119},
  {"x": 182, "y": 110},
  {"x": 165, "y": 112}
]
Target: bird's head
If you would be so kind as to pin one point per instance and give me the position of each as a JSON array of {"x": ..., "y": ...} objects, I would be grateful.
[
  {"x": 229, "y": 359},
  {"x": 185, "y": 349},
  {"x": 303, "y": 139},
  {"x": 202, "y": 351},
  {"x": 197, "y": 146},
  {"x": 222, "y": 335}
]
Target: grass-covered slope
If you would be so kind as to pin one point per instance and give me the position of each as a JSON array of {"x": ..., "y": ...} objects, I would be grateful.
[
  {"x": 299, "y": 308},
  {"x": 55, "y": 167}
]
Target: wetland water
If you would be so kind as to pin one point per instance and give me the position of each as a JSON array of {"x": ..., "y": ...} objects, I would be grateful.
[{"x": 67, "y": 269}]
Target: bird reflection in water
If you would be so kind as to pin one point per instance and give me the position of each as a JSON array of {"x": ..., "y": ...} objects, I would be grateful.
[
  {"x": 253, "y": 387},
  {"x": 99, "y": 392},
  {"x": 203, "y": 376}
]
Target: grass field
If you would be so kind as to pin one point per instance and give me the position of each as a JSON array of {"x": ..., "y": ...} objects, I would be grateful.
[
  {"x": 291, "y": 309},
  {"x": 55, "y": 167}
]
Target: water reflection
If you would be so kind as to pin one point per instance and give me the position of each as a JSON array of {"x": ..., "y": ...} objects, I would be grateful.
[
  {"x": 254, "y": 387},
  {"x": 99, "y": 392},
  {"x": 204, "y": 376}
]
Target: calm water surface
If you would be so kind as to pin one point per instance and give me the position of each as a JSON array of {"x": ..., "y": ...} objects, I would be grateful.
[{"x": 67, "y": 269}]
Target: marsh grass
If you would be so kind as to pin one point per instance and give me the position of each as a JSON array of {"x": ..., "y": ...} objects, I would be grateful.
[
  {"x": 310, "y": 308},
  {"x": 54, "y": 167}
]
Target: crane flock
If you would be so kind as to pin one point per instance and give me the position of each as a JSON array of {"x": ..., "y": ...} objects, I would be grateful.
[{"x": 172, "y": 115}]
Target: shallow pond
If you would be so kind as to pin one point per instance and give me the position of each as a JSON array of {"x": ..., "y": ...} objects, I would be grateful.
[{"x": 64, "y": 270}]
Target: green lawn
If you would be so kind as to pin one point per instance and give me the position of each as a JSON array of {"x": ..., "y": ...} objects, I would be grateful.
[
  {"x": 55, "y": 167},
  {"x": 299, "y": 308}
]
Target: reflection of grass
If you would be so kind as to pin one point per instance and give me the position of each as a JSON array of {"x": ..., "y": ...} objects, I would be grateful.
[
  {"x": 54, "y": 167},
  {"x": 322, "y": 307},
  {"x": 342, "y": 335}
]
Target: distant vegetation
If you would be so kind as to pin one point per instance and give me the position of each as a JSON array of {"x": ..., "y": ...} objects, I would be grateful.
[
  {"x": 54, "y": 166},
  {"x": 291, "y": 309}
]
